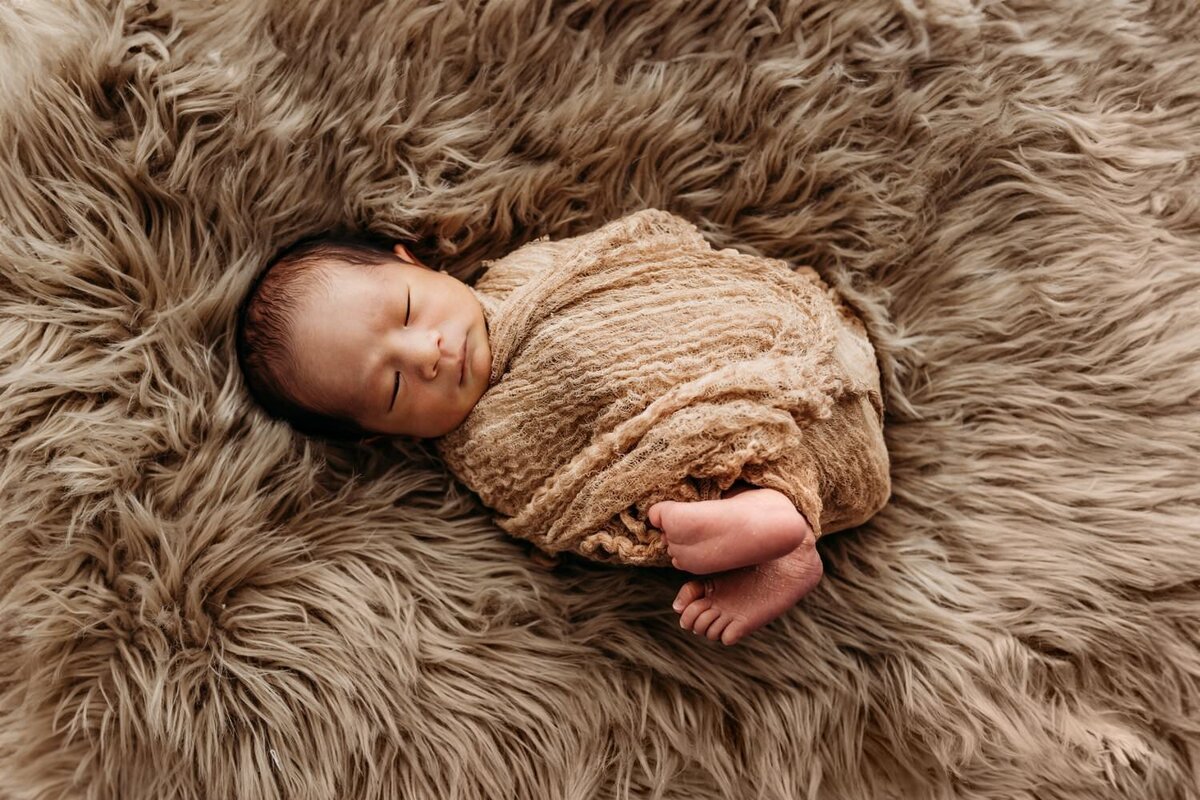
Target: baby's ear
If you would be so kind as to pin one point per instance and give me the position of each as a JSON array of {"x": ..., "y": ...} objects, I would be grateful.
[
  {"x": 402, "y": 252},
  {"x": 404, "y": 255}
]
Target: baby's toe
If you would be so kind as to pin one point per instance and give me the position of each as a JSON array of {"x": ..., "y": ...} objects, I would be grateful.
[
  {"x": 733, "y": 632},
  {"x": 654, "y": 514},
  {"x": 705, "y": 619},
  {"x": 688, "y": 618},
  {"x": 718, "y": 625},
  {"x": 688, "y": 593}
]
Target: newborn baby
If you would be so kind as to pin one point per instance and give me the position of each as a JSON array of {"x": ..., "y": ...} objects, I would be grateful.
[{"x": 558, "y": 399}]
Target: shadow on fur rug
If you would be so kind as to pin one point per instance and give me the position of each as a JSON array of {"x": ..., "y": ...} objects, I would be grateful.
[{"x": 197, "y": 603}]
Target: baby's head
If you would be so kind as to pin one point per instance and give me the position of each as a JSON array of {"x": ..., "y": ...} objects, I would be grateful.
[{"x": 350, "y": 339}]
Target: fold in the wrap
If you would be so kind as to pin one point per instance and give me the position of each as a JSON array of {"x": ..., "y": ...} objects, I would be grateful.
[{"x": 636, "y": 363}]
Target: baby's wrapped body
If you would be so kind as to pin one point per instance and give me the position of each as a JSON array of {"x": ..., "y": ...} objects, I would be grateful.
[{"x": 636, "y": 363}]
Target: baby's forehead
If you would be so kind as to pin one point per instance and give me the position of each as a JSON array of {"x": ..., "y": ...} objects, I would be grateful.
[
  {"x": 332, "y": 265},
  {"x": 333, "y": 273},
  {"x": 336, "y": 295},
  {"x": 347, "y": 293}
]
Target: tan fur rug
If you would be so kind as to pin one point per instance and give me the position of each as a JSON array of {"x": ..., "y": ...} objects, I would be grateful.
[{"x": 197, "y": 603}]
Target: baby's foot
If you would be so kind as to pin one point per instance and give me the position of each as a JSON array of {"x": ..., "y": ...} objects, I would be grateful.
[
  {"x": 736, "y": 603},
  {"x": 718, "y": 535}
]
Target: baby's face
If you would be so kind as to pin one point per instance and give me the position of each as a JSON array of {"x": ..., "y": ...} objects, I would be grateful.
[{"x": 388, "y": 346}]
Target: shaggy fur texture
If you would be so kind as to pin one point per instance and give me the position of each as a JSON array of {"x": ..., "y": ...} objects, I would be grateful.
[{"x": 197, "y": 603}]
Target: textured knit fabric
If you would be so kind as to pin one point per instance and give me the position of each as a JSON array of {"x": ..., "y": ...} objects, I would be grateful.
[{"x": 636, "y": 363}]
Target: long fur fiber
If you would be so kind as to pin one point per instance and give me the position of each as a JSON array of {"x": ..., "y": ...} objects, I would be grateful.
[{"x": 197, "y": 603}]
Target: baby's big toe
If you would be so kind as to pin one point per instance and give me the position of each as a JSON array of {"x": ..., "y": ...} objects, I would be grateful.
[{"x": 654, "y": 513}]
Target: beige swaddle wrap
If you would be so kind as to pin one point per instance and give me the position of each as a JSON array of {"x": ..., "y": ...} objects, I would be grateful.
[{"x": 636, "y": 363}]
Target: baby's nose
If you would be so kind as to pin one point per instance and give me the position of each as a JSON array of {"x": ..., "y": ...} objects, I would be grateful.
[{"x": 433, "y": 361}]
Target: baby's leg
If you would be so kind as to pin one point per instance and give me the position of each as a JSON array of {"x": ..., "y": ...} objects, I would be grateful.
[{"x": 748, "y": 526}]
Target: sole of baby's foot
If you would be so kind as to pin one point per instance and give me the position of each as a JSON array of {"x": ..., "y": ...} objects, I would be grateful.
[
  {"x": 734, "y": 604},
  {"x": 711, "y": 536}
]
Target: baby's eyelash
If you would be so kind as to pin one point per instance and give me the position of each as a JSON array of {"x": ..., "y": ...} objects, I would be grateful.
[{"x": 407, "y": 310}]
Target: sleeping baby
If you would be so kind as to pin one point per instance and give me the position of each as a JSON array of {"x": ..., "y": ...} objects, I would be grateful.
[{"x": 630, "y": 395}]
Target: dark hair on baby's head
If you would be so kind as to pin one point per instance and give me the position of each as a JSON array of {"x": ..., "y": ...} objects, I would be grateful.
[{"x": 264, "y": 325}]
